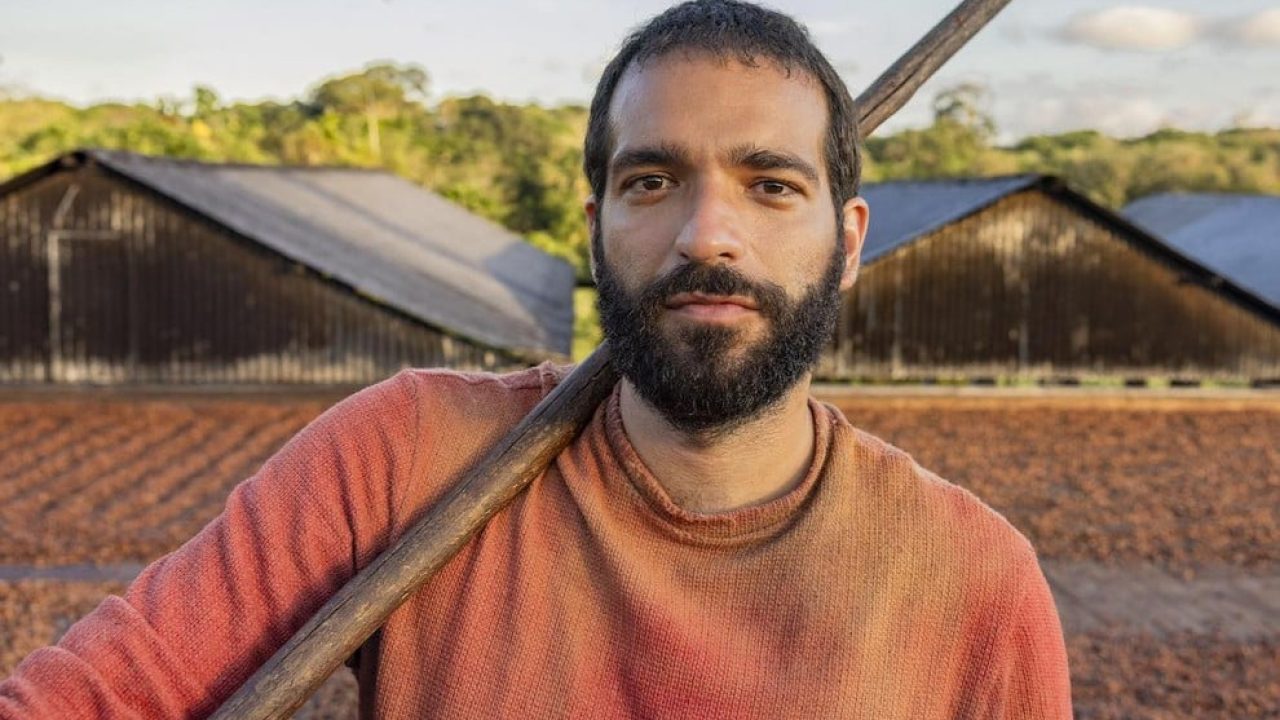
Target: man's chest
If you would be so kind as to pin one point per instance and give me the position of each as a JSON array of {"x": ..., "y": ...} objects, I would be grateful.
[{"x": 552, "y": 613}]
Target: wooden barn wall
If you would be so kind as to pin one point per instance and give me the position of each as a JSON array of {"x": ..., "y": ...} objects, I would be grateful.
[
  {"x": 1032, "y": 288},
  {"x": 146, "y": 292},
  {"x": 24, "y": 285}
]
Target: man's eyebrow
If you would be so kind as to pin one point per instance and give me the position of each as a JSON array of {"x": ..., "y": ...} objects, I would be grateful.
[
  {"x": 758, "y": 158},
  {"x": 666, "y": 155}
]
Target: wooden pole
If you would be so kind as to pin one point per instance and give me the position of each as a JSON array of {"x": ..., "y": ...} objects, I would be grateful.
[
  {"x": 900, "y": 82},
  {"x": 285, "y": 681}
]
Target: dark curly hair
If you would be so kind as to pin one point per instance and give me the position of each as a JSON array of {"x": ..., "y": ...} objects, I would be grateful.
[{"x": 728, "y": 29}]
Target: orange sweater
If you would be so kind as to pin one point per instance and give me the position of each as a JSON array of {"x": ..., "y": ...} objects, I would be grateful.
[{"x": 873, "y": 590}]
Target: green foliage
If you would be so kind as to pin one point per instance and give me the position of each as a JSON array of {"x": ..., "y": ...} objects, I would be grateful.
[
  {"x": 520, "y": 165},
  {"x": 586, "y": 323},
  {"x": 957, "y": 144},
  {"x": 1114, "y": 172}
]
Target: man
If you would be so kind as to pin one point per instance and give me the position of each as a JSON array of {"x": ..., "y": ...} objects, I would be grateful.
[{"x": 716, "y": 544}]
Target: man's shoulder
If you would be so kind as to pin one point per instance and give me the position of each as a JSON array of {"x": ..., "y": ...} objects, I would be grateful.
[
  {"x": 420, "y": 408},
  {"x": 431, "y": 397},
  {"x": 436, "y": 423},
  {"x": 928, "y": 507}
]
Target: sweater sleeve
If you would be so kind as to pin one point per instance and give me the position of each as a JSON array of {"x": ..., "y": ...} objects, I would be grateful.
[
  {"x": 1037, "y": 685},
  {"x": 196, "y": 623}
]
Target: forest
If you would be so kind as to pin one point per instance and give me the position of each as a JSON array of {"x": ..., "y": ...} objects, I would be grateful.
[{"x": 519, "y": 164}]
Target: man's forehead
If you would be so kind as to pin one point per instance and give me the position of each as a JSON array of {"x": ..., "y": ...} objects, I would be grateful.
[
  {"x": 689, "y": 76},
  {"x": 700, "y": 100}
]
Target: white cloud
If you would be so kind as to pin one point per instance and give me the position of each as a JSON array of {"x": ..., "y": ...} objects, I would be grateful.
[
  {"x": 1040, "y": 103},
  {"x": 1261, "y": 30},
  {"x": 1133, "y": 28},
  {"x": 1110, "y": 114}
]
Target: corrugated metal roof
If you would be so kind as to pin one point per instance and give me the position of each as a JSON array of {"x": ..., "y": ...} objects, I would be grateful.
[
  {"x": 1237, "y": 236},
  {"x": 392, "y": 241},
  {"x": 901, "y": 212}
]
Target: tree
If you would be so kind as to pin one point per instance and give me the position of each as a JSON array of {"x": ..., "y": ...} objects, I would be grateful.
[
  {"x": 378, "y": 92},
  {"x": 965, "y": 105},
  {"x": 957, "y": 144},
  {"x": 205, "y": 101}
]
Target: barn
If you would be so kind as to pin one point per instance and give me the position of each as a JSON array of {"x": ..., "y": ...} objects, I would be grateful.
[
  {"x": 123, "y": 269},
  {"x": 1023, "y": 278}
]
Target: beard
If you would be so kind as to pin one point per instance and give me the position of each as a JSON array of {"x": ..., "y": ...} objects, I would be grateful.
[{"x": 702, "y": 378}]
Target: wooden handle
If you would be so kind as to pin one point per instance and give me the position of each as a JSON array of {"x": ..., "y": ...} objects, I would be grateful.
[
  {"x": 899, "y": 83},
  {"x": 289, "y": 677}
]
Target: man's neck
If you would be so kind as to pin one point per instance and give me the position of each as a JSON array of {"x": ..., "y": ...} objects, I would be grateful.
[{"x": 753, "y": 464}]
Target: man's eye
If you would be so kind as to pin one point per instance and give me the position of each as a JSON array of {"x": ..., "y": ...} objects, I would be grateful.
[
  {"x": 773, "y": 187},
  {"x": 651, "y": 183}
]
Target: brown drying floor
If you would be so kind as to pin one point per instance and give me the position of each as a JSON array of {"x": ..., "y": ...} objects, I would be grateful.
[
  {"x": 1175, "y": 489},
  {"x": 1173, "y": 482},
  {"x": 106, "y": 480}
]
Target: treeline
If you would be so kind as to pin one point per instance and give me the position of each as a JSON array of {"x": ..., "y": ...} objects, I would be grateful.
[
  {"x": 1111, "y": 171},
  {"x": 520, "y": 164}
]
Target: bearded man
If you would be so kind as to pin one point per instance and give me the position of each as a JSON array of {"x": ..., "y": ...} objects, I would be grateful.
[{"x": 715, "y": 544}]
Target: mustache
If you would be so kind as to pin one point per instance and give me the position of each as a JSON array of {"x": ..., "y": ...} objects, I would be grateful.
[{"x": 711, "y": 279}]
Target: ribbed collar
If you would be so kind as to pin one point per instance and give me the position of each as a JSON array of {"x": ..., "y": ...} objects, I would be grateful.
[{"x": 733, "y": 527}]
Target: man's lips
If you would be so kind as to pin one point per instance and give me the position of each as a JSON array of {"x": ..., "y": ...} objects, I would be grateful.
[
  {"x": 712, "y": 307},
  {"x": 685, "y": 299}
]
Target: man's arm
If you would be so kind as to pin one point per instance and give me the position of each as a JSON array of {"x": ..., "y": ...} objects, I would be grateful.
[
  {"x": 198, "y": 622},
  {"x": 1037, "y": 684}
]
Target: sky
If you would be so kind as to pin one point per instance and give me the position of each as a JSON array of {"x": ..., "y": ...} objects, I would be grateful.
[{"x": 1050, "y": 65}]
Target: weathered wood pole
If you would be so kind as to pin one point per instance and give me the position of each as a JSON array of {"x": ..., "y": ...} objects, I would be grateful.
[{"x": 289, "y": 677}]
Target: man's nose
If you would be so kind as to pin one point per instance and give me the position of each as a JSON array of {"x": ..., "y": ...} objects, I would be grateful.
[{"x": 710, "y": 232}]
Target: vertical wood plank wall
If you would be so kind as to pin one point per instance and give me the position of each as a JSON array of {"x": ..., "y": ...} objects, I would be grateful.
[
  {"x": 1034, "y": 288},
  {"x": 149, "y": 293}
]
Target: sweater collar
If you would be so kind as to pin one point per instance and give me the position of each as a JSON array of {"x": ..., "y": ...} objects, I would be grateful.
[{"x": 744, "y": 524}]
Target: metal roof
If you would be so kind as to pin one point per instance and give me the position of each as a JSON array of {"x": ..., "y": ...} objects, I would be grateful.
[
  {"x": 1237, "y": 236},
  {"x": 392, "y": 241},
  {"x": 902, "y": 212}
]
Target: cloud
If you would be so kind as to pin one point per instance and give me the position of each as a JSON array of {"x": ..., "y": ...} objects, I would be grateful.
[
  {"x": 1261, "y": 30},
  {"x": 1110, "y": 114},
  {"x": 1133, "y": 28},
  {"x": 1142, "y": 28},
  {"x": 1041, "y": 103}
]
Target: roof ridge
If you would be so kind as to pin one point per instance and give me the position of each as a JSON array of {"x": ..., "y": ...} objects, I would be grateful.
[
  {"x": 108, "y": 155},
  {"x": 1207, "y": 194}
]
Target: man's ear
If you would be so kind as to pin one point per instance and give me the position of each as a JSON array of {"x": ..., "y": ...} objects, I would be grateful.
[
  {"x": 857, "y": 216},
  {"x": 592, "y": 210}
]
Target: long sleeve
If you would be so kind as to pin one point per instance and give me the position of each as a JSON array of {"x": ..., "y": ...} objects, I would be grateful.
[
  {"x": 196, "y": 623},
  {"x": 1037, "y": 685}
]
